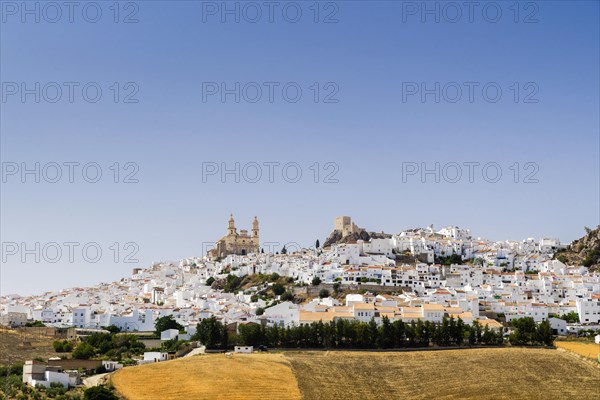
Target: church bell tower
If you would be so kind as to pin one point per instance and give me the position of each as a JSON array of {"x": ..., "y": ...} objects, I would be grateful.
[
  {"x": 255, "y": 233},
  {"x": 231, "y": 226}
]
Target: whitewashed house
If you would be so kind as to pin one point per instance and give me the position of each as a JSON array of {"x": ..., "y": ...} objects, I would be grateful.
[{"x": 169, "y": 334}]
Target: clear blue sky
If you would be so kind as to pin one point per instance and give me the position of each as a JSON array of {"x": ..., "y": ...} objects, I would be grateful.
[{"x": 372, "y": 49}]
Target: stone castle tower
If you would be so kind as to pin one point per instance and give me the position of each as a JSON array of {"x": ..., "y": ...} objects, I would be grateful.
[
  {"x": 237, "y": 243},
  {"x": 345, "y": 226}
]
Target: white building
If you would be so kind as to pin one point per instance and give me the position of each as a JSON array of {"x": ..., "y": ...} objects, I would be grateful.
[
  {"x": 283, "y": 314},
  {"x": 589, "y": 310},
  {"x": 155, "y": 356}
]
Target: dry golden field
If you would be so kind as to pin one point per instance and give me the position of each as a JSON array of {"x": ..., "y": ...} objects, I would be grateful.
[
  {"x": 506, "y": 373},
  {"x": 242, "y": 377},
  {"x": 589, "y": 350}
]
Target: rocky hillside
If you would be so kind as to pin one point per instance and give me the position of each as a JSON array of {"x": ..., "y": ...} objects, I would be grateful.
[
  {"x": 584, "y": 251},
  {"x": 336, "y": 237}
]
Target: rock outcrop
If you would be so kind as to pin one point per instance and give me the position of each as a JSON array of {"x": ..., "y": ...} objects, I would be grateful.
[
  {"x": 584, "y": 251},
  {"x": 336, "y": 237}
]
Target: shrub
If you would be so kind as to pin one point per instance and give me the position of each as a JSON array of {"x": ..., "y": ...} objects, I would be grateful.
[
  {"x": 287, "y": 296},
  {"x": 316, "y": 281},
  {"x": 16, "y": 369},
  {"x": 56, "y": 389},
  {"x": 113, "y": 329},
  {"x": 83, "y": 351},
  {"x": 58, "y": 346},
  {"x": 35, "y": 324},
  {"x": 62, "y": 346},
  {"x": 99, "y": 393},
  {"x": 323, "y": 293},
  {"x": 100, "y": 370}
]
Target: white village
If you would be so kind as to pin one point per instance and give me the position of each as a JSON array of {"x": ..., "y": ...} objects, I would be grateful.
[{"x": 416, "y": 276}]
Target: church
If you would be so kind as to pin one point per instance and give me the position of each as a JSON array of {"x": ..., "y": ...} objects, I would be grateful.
[{"x": 237, "y": 243}]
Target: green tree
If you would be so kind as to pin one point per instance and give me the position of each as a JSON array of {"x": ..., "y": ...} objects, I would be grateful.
[
  {"x": 102, "y": 342},
  {"x": 571, "y": 317},
  {"x": 445, "y": 334},
  {"x": 544, "y": 333},
  {"x": 336, "y": 287},
  {"x": 410, "y": 332},
  {"x": 278, "y": 289},
  {"x": 452, "y": 259},
  {"x": 210, "y": 281},
  {"x": 232, "y": 283},
  {"x": 317, "y": 244},
  {"x": 419, "y": 333},
  {"x": 63, "y": 346},
  {"x": 473, "y": 330},
  {"x": 459, "y": 332},
  {"x": 386, "y": 334},
  {"x": 524, "y": 331},
  {"x": 323, "y": 293},
  {"x": 260, "y": 311},
  {"x": 399, "y": 334},
  {"x": 488, "y": 336},
  {"x": 83, "y": 351},
  {"x": 252, "y": 334},
  {"x": 316, "y": 281},
  {"x": 428, "y": 331},
  {"x": 166, "y": 322},
  {"x": 211, "y": 333}
]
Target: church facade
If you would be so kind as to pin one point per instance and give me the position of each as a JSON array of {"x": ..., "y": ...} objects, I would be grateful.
[{"x": 237, "y": 243}]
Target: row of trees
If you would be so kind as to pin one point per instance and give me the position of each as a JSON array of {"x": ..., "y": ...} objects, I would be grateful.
[{"x": 350, "y": 334}]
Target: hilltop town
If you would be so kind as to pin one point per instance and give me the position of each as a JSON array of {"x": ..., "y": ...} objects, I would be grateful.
[
  {"x": 417, "y": 274},
  {"x": 364, "y": 290}
]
